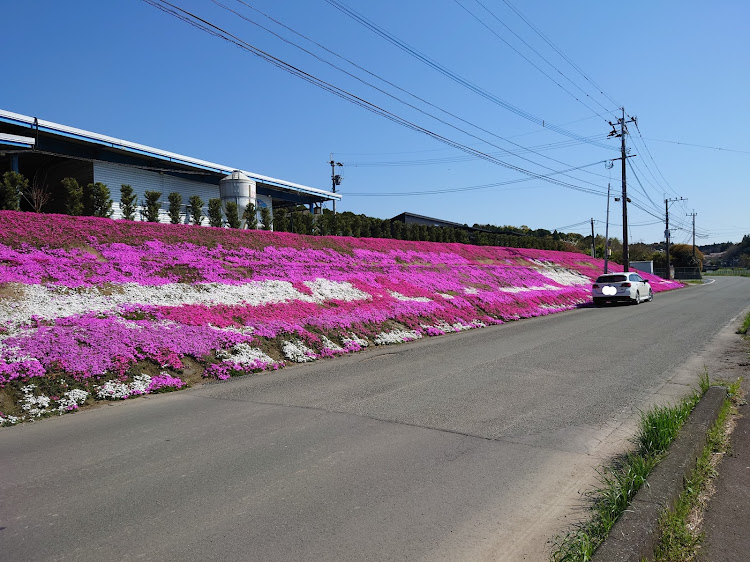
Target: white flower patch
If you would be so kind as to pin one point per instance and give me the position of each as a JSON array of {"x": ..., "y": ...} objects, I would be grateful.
[
  {"x": 116, "y": 390},
  {"x": 244, "y": 354},
  {"x": 354, "y": 338},
  {"x": 50, "y": 302},
  {"x": 396, "y": 336},
  {"x": 561, "y": 275},
  {"x": 9, "y": 420},
  {"x": 527, "y": 289},
  {"x": 33, "y": 405},
  {"x": 297, "y": 352},
  {"x": 328, "y": 344},
  {"x": 471, "y": 290},
  {"x": 446, "y": 296},
  {"x": 324, "y": 290},
  {"x": 400, "y": 297},
  {"x": 71, "y": 400}
]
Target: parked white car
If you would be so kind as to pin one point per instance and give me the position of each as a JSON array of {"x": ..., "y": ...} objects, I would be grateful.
[{"x": 629, "y": 287}]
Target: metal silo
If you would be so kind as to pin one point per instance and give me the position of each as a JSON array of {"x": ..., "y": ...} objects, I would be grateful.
[{"x": 239, "y": 188}]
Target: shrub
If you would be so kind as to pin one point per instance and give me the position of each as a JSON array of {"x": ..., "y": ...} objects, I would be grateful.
[
  {"x": 73, "y": 197},
  {"x": 214, "y": 212},
  {"x": 127, "y": 202},
  {"x": 152, "y": 205},
  {"x": 266, "y": 218},
  {"x": 175, "y": 203},
  {"x": 10, "y": 190},
  {"x": 96, "y": 200},
  {"x": 250, "y": 216},
  {"x": 195, "y": 206},
  {"x": 233, "y": 215}
]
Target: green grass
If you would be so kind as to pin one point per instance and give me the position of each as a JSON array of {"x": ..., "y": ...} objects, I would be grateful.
[
  {"x": 620, "y": 481},
  {"x": 745, "y": 325},
  {"x": 740, "y": 271},
  {"x": 678, "y": 541}
]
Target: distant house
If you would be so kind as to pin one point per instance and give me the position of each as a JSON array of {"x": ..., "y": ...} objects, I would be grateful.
[
  {"x": 47, "y": 152},
  {"x": 412, "y": 218}
]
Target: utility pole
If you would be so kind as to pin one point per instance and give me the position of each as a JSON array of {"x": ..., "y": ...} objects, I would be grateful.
[
  {"x": 606, "y": 235},
  {"x": 593, "y": 239},
  {"x": 623, "y": 131},
  {"x": 335, "y": 178},
  {"x": 693, "y": 215},
  {"x": 666, "y": 230}
]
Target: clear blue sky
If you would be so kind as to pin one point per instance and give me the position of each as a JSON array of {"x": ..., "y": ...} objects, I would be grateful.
[{"x": 131, "y": 71}]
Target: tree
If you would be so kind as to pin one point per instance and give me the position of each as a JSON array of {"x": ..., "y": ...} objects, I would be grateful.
[
  {"x": 96, "y": 200},
  {"x": 195, "y": 205},
  {"x": 233, "y": 215},
  {"x": 127, "y": 202},
  {"x": 38, "y": 193},
  {"x": 175, "y": 205},
  {"x": 152, "y": 205},
  {"x": 681, "y": 255},
  {"x": 215, "y": 218},
  {"x": 73, "y": 197},
  {"x": 305, "y": 223},
  {"x": 266, "y": 218},
  {"x": 250, "y": 216},
  {"x": 280, "y": 220},
  {"x": 10, "y": 191}
]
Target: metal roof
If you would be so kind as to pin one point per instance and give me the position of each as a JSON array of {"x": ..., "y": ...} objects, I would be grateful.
[{"x": 72, "y": 132}]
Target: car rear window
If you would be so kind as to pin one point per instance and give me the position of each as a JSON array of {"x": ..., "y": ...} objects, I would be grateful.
[{"x": 611, "y": 279}]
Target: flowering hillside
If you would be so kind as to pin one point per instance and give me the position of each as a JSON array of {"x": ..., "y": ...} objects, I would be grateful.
[{"x": 100, "y": 309}]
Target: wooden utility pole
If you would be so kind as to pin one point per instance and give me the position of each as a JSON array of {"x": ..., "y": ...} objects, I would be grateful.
[
  {"x": 593, "y": 239},
  {"x": 667, "y": 234},
  {"x": 623, "y": 131},
  {"x": 693, "y": 215}
]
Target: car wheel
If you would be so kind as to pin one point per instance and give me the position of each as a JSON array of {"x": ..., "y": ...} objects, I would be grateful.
[
  {"x": 650, "y": 296},
  {"x": 598, "y": 302},
  {"x": 637, "y": 298}
]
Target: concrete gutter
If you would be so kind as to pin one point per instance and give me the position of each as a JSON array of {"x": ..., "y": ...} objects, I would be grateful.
[{"x": 634, "y": 535}]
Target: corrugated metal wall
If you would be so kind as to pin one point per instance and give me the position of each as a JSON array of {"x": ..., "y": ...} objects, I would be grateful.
[{"x": 114, "y": 175}]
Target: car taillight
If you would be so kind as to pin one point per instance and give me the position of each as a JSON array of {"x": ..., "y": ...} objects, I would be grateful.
[
  {"x": 595, "y": 286},
  {"x": 625, "y": 285}
]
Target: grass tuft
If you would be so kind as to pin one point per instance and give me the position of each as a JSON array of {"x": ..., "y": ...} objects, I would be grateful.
[
  {"x": 620, "y": 481},
  {"x": 679, "y": 540},
  {"x": 745, "y": 325}
]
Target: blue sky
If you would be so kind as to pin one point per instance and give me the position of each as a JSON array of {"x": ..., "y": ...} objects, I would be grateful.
[{"x": 131, "y": 71}]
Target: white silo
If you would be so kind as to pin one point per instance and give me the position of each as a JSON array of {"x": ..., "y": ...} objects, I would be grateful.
[{"x": 239, "y": 188}]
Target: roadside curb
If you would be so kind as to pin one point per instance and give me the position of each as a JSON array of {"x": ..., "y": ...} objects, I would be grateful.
[{"x": 634, "y": 535}]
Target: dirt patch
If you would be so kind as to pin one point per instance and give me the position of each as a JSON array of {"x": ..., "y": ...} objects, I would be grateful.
[{"x": 11, "y": 291}]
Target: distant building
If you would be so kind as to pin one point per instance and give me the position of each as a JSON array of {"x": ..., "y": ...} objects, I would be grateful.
[
  {"x": 412, "y": 218},
  {"x": 48, "y": 152},
  {"x": 644, "y": 266}
]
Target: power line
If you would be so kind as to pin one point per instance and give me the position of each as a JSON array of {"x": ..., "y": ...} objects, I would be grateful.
[
  {"x": 477, "y": 187},
  {"x": 559, "y": 52},
  {"x": 702, "y": 146},
  {"x": 523, "y": 149},
  {"x": 217, "y": 31},
  {"x": 448, "y": 73},
  {"x": 524, "y": 57}
]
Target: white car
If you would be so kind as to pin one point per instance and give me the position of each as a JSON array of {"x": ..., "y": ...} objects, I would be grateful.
[{"x": 612, "y": 287}]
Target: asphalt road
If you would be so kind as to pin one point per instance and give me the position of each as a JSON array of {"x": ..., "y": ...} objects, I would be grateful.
[{"x": 463, "y": 447}]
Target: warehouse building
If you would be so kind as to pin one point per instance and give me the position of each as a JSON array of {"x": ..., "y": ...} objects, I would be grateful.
[{"x": 46, "y": 152}]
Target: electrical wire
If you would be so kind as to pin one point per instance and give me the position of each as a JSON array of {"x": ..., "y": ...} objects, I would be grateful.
[
  {"x": 448, "y": 73},
  {"x": 524, "y": 57},
  {"x": 559, "y": 52},
  {"x": 523, "y": 149},
  {"x": 217, "y": 31}
]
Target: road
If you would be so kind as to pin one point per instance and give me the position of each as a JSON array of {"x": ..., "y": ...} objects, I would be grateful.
[{"x": 463, "y": 447}]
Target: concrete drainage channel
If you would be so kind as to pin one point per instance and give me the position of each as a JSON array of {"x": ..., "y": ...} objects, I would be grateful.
[{"x": 634, "y": 535}]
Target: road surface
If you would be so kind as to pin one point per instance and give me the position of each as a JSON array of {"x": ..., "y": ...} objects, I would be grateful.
[{"x": 463, "y": 447}]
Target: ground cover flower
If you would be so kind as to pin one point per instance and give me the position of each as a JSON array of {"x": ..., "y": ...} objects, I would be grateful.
[{"x": 90, "y": 298}]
